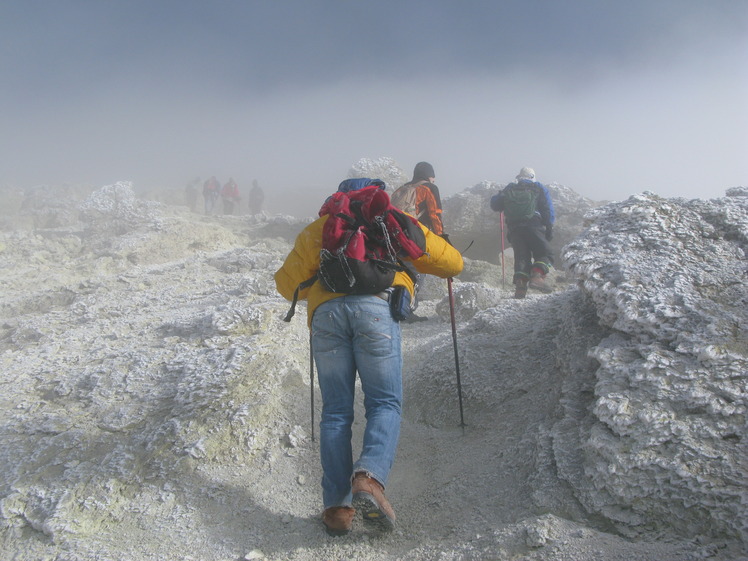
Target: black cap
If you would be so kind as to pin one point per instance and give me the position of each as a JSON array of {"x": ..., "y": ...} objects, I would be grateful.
[{"x": 423, "y": 170}]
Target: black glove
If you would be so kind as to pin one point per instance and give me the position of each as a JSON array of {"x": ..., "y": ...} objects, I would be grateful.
[{"x": 549, "y": 233}]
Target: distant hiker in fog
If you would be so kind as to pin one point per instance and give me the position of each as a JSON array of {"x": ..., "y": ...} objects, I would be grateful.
[
  {"x": 211, "y": 190},
  {"x": 256, "y": 198},
  {"x": 529, "y": 215},
  {"x": 420, "y": 198},
  {"x": 230, "y": 196},
  {"x": 358, "y": 333},
  {"x": 190, "y": 194}
]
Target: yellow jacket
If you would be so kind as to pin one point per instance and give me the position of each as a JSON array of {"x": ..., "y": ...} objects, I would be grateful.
[{"x": 440, "y": 259}]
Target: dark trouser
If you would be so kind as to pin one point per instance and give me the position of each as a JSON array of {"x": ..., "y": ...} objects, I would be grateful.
[{"x": 531, "y": 249}]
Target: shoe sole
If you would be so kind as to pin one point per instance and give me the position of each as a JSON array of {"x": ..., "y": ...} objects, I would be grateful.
[
  {"x": 372, "y": 513},
  {"x": 336, "y": 533}
]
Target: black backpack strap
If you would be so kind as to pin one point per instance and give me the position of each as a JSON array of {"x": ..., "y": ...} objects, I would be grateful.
[{"x": 307, "y": 283}]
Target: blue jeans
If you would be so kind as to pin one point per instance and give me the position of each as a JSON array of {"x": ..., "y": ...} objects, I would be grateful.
[{"x": 350, "y": 334}]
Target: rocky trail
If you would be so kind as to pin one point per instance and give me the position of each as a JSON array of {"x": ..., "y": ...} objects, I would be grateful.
[{"x": 155, "y": 406}]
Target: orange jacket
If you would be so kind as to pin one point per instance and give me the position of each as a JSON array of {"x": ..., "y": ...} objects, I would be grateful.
[{"x": 429, "y": 209}]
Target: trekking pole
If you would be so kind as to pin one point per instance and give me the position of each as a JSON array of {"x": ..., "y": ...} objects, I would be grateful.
[
  {"x": 454, "y": 342},
  {"x": 501, "y": 222},
  {"x": 311, "y": 379}
]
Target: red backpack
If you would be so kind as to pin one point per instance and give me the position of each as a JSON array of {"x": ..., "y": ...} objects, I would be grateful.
[{"x": 363, "y": 242}]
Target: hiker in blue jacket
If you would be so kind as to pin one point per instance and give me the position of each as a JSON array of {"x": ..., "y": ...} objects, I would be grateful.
[{"x": 529, "y": 215}]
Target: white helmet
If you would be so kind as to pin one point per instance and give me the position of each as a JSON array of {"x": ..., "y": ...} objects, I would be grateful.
[{"x": 526, "y": 173}]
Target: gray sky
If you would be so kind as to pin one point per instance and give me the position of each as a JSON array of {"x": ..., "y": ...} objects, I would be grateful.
[{"x": 609, "y": 98}]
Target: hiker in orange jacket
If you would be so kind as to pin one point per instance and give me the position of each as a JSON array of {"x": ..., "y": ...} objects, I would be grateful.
[
  {"x": 427, "y": 204},
  {"x": 420, "y": 198}
]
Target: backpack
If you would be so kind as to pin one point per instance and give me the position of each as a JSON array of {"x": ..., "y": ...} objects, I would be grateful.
[
  {"x": 520, "y": 203},
  {"x": 363, "y": 241},
  {"x": 404, "y": 198},
  {"x": 411, "y": 197}
]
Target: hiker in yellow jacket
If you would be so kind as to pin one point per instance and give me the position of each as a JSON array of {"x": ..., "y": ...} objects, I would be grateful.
[{"x": 350, "y": 334}]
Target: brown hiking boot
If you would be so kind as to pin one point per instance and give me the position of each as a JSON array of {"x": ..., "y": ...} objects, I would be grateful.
[
  {"x": 338, "y": 520},
  {"x": 368, "y": 497},
  {"x": 520, "y": 290},
  {"x": 537, "y": 281}
]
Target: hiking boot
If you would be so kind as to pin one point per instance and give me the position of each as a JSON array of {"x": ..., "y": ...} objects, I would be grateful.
[
  {"x": 369, "y": 499},
  {"x": 520, "y": 290},
  {"x": 338, "y": 520},
  {"x": 537, "y": 282}
]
